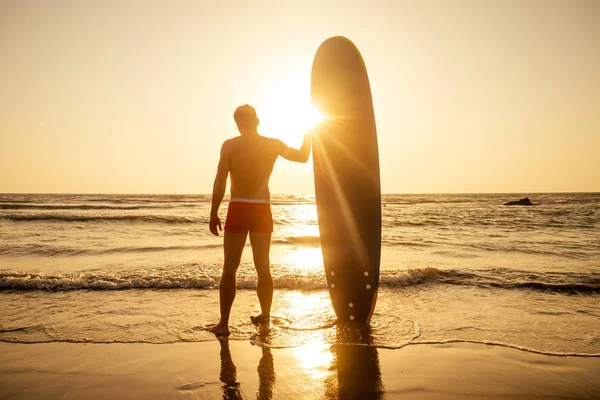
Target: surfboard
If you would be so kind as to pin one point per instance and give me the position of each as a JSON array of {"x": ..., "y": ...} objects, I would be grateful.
[{"x": 347, "y": 182}]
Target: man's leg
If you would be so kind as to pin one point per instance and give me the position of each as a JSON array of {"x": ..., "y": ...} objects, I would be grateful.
[
  {"x": 261, "y": 245},
  {"x": 233, "y": 246}
]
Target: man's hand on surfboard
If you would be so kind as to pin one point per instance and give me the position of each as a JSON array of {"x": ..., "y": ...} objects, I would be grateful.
[{"x": 213, "y": 224}]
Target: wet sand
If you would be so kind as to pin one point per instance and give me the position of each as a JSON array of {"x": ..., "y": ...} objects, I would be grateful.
[{"x": 237, "y": 369}]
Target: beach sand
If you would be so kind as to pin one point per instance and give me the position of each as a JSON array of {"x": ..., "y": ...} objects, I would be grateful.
[{"x": 237, "y": 369}]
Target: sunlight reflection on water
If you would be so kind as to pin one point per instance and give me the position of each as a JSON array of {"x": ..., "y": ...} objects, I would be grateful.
[
  {"x": 315, "y": 359},
  {"x": 305, "y": 259},
  {"x": 306, "y": 310},
  {"x": 304, "y": 253}
]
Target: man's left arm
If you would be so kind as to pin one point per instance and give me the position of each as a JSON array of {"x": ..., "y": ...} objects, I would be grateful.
[
  {"x": 297, "y": 155},
  {"x": 218, "y": 193}
]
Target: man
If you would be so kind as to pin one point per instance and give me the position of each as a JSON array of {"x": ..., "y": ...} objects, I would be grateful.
[{"x": 249, "y": 158}]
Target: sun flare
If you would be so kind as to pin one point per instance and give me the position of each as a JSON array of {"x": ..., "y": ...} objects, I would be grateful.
[{"x": 285, "y": 111}]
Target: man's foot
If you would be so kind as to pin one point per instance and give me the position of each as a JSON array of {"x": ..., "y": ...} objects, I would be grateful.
[
  {"x": 258, "y": 319},
  {"x": 220, "y": 330},
  {"x": 264, "y": 328},
  {"x": 262, "y": 322}
]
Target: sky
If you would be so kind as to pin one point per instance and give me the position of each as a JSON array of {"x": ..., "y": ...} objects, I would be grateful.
[{"x": 137, "y": 96}]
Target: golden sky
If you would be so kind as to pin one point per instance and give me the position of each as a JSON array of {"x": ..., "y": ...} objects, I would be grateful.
[{"x": 137, "y": 96}]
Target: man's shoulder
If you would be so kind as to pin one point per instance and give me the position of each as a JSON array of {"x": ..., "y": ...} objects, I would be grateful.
[
  {"x": 239, "y": 144},
  {"x": 276, "y": 143},
  {"x": 229, "y": 143}
]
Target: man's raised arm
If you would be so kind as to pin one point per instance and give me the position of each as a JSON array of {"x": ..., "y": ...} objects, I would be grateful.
[{"x": 298, "y": 155}]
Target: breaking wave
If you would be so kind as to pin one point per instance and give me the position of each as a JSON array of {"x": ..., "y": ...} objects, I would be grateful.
[
  {"x": 54, "y": 251},
  {"x": 208, "y": 277},
  {"x": 165, "y": 219},
  {"x": 300, "y": 241},
  {"x": 21, "y": 206}
]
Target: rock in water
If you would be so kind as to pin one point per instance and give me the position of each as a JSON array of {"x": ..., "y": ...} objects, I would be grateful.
[{"x": 523, "y": 202}]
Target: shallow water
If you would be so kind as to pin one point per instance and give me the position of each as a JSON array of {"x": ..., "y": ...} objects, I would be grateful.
[{"x": 454, "y": 268}]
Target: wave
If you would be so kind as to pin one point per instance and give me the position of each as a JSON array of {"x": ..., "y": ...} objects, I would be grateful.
[
  {"x": 109, "y": 198},
  {"x": 292, "y": 202},
  {"x": 45, "y": 250},
  {"x": 541, "y": 286},
  {"x": 20, "y": 206},
  {"x": 166, "y": 219},
  {"x": 300, "y": 240},
  {"x": 146, "y": 205},
  {"x": 53, "y": 251},
  {"x": 195, "y": 276},
  {"x": 562, "y": 250},
  {"x": 194, "y": 279},
  {"x": 502, "y": 278},
  {"x": 395, "y": 242}
]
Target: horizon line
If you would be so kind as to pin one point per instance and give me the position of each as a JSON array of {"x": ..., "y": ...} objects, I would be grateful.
[{"x": 284, "y": 194}]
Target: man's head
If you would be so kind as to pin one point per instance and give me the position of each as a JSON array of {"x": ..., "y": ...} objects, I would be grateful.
[{"x": 246, "y": 119}]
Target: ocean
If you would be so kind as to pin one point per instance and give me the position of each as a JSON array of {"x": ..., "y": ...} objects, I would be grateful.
[{"x": 455, "y": 268}]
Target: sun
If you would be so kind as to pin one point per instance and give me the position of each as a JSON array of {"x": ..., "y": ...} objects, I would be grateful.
[
  {"x": 285, "y": 110},
  {"x": 312, "y": 116}
]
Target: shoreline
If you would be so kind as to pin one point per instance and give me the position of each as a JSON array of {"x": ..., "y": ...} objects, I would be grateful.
[
  {"x": 237, "y": 369},
  {"x": 295, "y": 346}
]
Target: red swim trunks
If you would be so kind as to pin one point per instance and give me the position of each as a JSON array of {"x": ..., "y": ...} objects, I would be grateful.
[{"x": 254, "y": 217}]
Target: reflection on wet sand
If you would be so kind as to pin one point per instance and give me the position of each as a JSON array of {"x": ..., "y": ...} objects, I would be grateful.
[
  {"x": 357, "y": 366},
  {"x": 266, "y": 374},
  {"x": 228, "y": 375},
  {"x": 349, "y": 369}
]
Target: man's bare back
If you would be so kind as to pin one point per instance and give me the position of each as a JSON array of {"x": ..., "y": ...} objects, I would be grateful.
[{"x": 251, "y": 159}]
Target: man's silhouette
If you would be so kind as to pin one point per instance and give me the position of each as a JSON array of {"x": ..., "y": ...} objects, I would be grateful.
[{"x": 249, "y": 158}]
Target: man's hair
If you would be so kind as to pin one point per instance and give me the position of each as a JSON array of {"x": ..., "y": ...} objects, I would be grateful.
[{"x": 245, "y": 116}]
